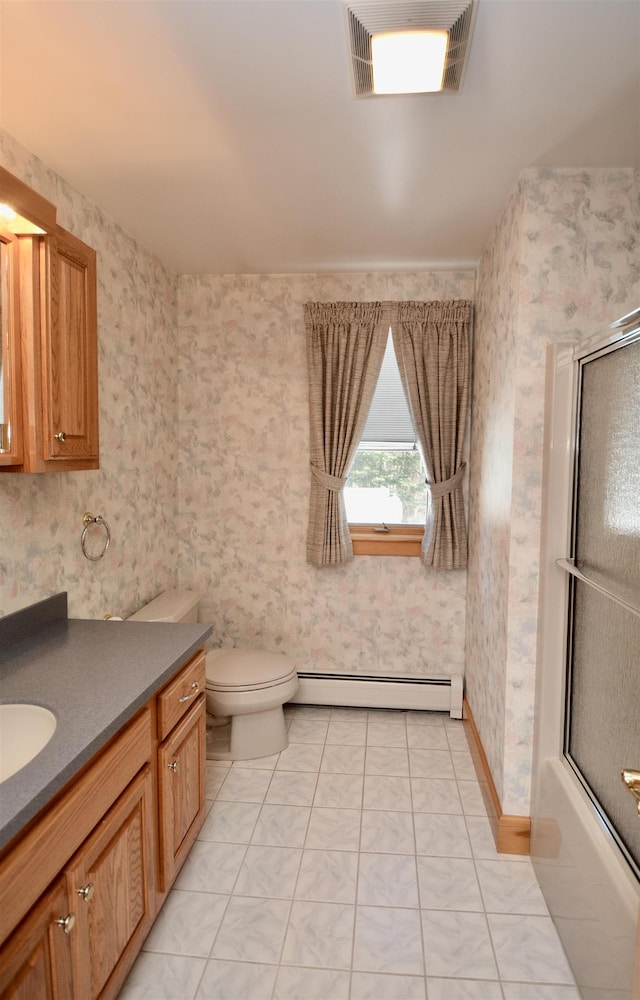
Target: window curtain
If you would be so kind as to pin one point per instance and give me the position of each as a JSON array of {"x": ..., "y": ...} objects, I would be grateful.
[
  {"x": 431, "y": 341},
  {"x": 345, "y": 347}
]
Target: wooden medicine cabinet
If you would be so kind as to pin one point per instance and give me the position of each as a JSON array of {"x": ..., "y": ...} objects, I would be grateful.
[{"x": 49, "y": 352}]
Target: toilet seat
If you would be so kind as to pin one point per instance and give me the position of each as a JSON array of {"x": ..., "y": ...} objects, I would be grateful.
[{"x": 247, "y": 670}]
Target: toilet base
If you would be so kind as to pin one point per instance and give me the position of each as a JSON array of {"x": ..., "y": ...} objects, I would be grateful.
[{"x": 257, "y": 734}]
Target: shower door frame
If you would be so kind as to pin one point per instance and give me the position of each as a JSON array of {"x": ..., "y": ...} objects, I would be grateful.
[{"x": 590, "y": 889}]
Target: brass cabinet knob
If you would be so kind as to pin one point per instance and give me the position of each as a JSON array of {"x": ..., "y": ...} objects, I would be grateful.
[
  {"x": 173, "y": 766},
  {"x": 86, "y": 892},
  {"x": 631, "y": 779},
  {"x": 66, "y": 923},
  {"x": 60, "y": 436}
]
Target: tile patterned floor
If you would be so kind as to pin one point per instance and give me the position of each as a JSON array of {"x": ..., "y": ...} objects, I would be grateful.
[{"x": 358, "y": 864}]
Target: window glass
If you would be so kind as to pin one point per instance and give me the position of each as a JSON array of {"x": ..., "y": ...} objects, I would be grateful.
[{"x": 386, "y": 483}]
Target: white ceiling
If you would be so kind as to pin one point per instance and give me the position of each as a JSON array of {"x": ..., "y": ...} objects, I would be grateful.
[{"x": 223, "y": 133}]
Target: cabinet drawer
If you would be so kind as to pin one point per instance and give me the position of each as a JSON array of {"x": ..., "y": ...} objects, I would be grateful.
[{"x": 179, "y": 695}]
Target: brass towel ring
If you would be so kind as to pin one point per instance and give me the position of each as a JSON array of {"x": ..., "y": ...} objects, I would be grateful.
[{"x": 88, "y": 520}]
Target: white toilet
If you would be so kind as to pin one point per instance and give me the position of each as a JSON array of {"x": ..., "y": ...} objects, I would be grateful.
[{"x": 246, "y": 688}]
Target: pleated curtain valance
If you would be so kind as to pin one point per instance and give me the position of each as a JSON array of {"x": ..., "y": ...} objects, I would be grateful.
[{"x": 345, "y": 347}]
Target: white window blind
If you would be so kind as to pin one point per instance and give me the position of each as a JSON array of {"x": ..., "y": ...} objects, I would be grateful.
[{"x": 389, "y": 421}]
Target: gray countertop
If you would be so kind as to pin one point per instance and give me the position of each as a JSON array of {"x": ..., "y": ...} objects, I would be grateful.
[{"x": 94, "y": 676}]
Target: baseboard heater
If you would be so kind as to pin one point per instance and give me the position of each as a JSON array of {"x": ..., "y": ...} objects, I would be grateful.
[{"x": 432, "y": 694}]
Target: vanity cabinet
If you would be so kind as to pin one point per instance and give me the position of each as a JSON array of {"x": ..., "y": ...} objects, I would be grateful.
[
  {"x": 181, "y": 767},
  {"x": 36, "y": 962},
  {"x": 49, "y": 316},
  {"x": 82, "y": 885},
  {"x": 111, "y": 881}
]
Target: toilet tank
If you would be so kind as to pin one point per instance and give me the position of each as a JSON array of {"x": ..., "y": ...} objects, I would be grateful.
[{"x": 169, "y": 606}]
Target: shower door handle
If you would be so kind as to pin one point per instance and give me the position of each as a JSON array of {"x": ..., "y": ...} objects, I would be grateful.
[{"x": 632, "y": 781}]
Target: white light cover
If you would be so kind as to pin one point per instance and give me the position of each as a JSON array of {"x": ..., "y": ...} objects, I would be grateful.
[{"x": 408, "y": 62}]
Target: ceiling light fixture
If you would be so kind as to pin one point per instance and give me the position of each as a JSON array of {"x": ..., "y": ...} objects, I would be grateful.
[
  {"x": 409, "y": 46},
  {"x": 408, "y": 62}
]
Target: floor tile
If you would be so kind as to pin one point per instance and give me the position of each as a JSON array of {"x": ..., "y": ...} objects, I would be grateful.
[
  {"x": 442, "y": 836},
  {"x": 319, "y": 935},
  {"x": 315, "y": 712},
  {"x": 294, "y": 788},
  {"x": 387, "y": 760},
  {"x": 211, "y": 867},
  {"x": 347, "y": 733},
  {"x": 268, "y": 871},
  {"x": 387, "y": 792},
  {"x": 162, "y": 977},
  {"x": 300, "y": 757},
  {"x": 388, "y": 940},
  {"x": 457, "y": 944},
  {"x": 431, "y": 764},
  {"x": 187, "y": 923},
  {"x": 528, "y": 949},
  {"x": 387, "y": 880},
  {"x": 245, "y": 785},
  {"x": 252, "y": 930},
  {"x": 482, "y": 843},
  {"x": 427, "y": 738},
  {"x": 307, "y": 731},
  {"x": 334, "y": 829},
  {"x": 539, "y": 991},
  {"x": 214, "y": 777},
  {"x": 510, "y": 887},
  {"x": 230, "y": 822},
  {"x": 463, "y": 765},
  {"x": 448, "y": 884},
  {"x": 387, "y": 832},
  {"x": 322, "y": 872},
  {"x": 435, "y": 795},
  {"x": 328, "y": 876},
  {"x": 386, "y": 734},
  {"x": 281, "y": 826},
  {"x": 380, "y": 986},
  {"x": 295, "y": 983},
  {"x": 457, "y": 738},
  {"x": 224, "y": 980},
  {"x": 343, "y": 760},
  {"x": 471, "y": 798},
  {"x": 339, "y": 791},
  {"x": 387, "y": 716},
  {"x": 465, "y": 989}
]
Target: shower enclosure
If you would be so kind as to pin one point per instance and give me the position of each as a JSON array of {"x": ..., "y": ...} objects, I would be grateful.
[{"x": 586, "y": 797}]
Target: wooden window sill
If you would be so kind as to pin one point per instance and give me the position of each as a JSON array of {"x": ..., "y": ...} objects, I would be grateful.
[{"x": 399, "y": 540}]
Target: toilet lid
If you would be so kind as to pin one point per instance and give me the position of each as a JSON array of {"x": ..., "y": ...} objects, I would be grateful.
[{"x": 229, "y": 669}]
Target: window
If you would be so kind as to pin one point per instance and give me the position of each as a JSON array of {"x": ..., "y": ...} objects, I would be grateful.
[{"x": 385, "y": 490}]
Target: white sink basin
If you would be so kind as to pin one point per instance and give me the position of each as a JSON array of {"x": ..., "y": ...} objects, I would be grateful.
[{"x": 24, "y": 731}]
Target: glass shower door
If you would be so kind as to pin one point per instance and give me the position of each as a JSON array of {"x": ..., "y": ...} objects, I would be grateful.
[{"x": 602, "y": 724}]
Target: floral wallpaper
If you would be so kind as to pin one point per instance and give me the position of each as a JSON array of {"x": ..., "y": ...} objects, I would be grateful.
[
  {"x": 244, "y": 486},
  {"x": 562, "y": 266},
  {"x": 135, "y": 488}
]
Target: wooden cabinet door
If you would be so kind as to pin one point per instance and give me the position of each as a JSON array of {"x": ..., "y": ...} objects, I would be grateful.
[
  {"x": 181, "y": 787},
  {"x": 35, "y": 962},
  {"x": 70, "y": 354},
  {"x": 111, "y": 879}
]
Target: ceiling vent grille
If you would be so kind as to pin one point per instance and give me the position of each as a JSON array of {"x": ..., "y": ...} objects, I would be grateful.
[{"x": 365, "y": 19}]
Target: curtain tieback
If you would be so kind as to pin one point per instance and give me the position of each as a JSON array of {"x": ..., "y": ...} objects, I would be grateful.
[
  {"x": 332, "y": 483},
  {"x": 448, "y": 485}
]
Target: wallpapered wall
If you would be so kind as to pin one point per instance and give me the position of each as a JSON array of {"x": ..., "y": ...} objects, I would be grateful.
[
  {"x": 562, "y": 265},
  {"x": 244, "y": 485},
  {"x": 135, "y": 487}
]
